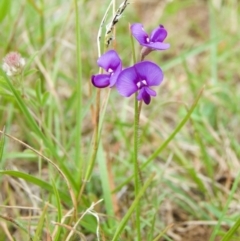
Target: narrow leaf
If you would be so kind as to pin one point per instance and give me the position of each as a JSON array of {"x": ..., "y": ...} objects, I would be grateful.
[
  {"x": 39, "y": 230},
  {"x": 2, "y": 140},
  {"x": 131, "y": 209},
  {"x": 231, "y": 231},
  {"x": 42, "y": 184},
  {"x": 4, "y": 8},
  {"x": 59, "y": 228}
]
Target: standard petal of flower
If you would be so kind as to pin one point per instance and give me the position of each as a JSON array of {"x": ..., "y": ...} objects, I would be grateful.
[
  {"x": 101, "y": 80},
  {"x": 143, "y": 95},
  {"x": 114, "y": 76},
  {"x": 150, "y": 72},
  {"x": 139, "y": 33},
  {"x": 109, "y": 61},
  {"x": 126, "y": 82},
  {"x": 158, "y": 34},
  {"x": 157, "y": 45}
]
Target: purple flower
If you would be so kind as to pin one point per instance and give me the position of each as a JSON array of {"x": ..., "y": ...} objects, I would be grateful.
[
  {"x": 152, "y": 42},
  {"x": 155, "y": 41},
  {"x": 140, "y": 77},
  {"x": 110, "y": 62}
]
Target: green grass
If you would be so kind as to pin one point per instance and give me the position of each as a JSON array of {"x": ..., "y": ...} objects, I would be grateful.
[{"x": 74, "y": 164}]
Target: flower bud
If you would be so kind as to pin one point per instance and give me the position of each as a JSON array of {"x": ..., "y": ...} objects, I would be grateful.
[{"x": 13, "y": 64}]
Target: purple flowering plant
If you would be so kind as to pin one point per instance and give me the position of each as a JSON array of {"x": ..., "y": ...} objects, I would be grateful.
[{"x": 139, "y": 77}]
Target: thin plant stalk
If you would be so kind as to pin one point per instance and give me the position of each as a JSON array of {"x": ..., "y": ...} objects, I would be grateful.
[
  {"x": 42, "y": 23},
  {"x": 135, "y": 152},
  {"x": 78, "y": 159},
  {"x": 96, "y": 134},
  {"x": 136, "y": 168}
]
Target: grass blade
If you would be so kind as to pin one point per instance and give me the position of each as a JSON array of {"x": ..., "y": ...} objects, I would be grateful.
[
  {"x": 231, "y": 231},
  {"x": 233, "y": 190},
  {"x": 131, "y": 209},
  {"x": 2, "y": 141},
  {"x": 58, "y": 200},
  {"x": 34, "y": 180},
  {"x": 38, "y": 234}
]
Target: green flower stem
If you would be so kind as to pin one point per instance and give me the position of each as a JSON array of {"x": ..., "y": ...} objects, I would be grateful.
[
  {"x": 135, "y": 151},
  {"x": 136, "y": 168}
]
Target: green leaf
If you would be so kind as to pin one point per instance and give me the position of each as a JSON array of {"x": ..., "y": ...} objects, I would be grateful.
[
  {"x": 45, "y": 98},
  {"x": 231, "y": 231},
  {"x": 59, "y": 228},
  {"x": 105, "y": 185},
  {"x": 2, "y": 140},
  {"x": 30, "y": 72},
  {"x": 230, "y": 198},
  {"x": 26, "y": 69},
  {"x": 39, "y": 230},
  {"x": 4, "y": 88},
  {"x": 42, "y": 184},
  {"x": 38, "y": 90},
  {"x": 4, "y": 8}
]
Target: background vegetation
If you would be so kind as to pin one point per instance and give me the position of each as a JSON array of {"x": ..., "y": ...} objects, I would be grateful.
[{"x": 50, "y": 190}]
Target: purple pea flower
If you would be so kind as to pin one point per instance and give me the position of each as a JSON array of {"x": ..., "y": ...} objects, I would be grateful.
[
  {"x": 140, "y": 77},
  {"x": 152, "y": 42},
  {"x": 110, "y": 62}
]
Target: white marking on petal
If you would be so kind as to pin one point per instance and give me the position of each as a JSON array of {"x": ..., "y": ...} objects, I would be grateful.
[{"x": 141, "y": 83}]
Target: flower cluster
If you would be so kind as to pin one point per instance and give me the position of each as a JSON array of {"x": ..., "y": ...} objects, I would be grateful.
[
  {"x": 13, "y": 64},
  {"x": 139, "y": 77}
]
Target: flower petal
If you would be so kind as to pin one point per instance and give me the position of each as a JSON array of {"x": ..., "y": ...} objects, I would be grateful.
[
  {"x": 101, "y": 80},
  {"x": 157, "y": 45},
  {"x": 114, "y": 75},
  {"x": 150, "y": 72},
  {"x": 109, "y": 60},
  {"x": 139, "y": 33},
  {"x": 150, "y": 91},
  {"x": 126, "y": 82},
  {"x": 144, "y": 95},
  {"x": 158, "y": 34}
]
